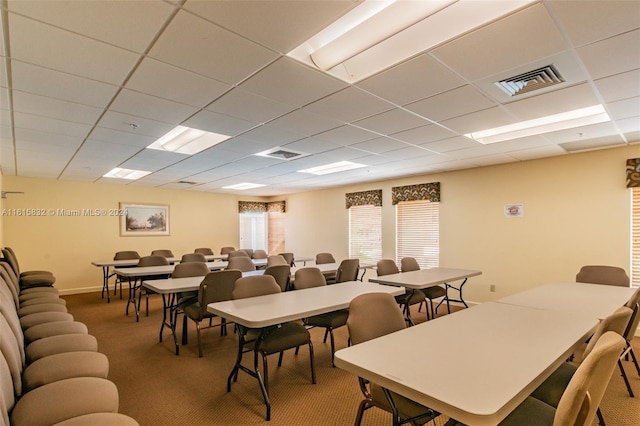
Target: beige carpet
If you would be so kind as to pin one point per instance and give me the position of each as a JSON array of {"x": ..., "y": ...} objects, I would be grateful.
[{"x": 159, "y": 388}]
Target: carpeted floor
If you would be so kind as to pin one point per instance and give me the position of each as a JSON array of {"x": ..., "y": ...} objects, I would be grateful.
[{"x": 159, "y": 388}]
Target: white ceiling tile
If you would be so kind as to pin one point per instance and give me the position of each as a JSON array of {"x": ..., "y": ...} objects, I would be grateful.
[
  {"x": 269, "y": 136},
  {"x": 453, "y": 103},
  {"x": 151, "y": 160},
  {"x": 620, "y": 86},
  {"x": 584, "y": 133},
  {"x": 312, "y": 146},
  {"x": 589, "y": 21},
  {"x": 412, "y": 80},
  {"x": 291, "y": 83},
  {"x": 55, "y": 84},
  {"x": 117, "y": 138},
  {"x": 379, "y": 145},
  {"x": 154, "y": 108},
  {"x": 304, "y": 122},
  {"x": 612, "y": 56},
  {"x": 480, "y": 120},
  {"x": 424, "y": 134},
  {"x": 218, "y": 123},
  {"x": 44, "y": 124},
  {"x": 391, "y": 122},
  {"x": 624, "y": 109},
  {"x": 51, "y": 47},
  {"x": 452, "y": 144},
  {"x": 349, "y": 105},
  {"x": 539, "y": 152},
  {"x": 194, "y": 44},
  {"x": 166, "y": 81},
  {"x": 248, "y": 106},
  {"x": 54, "y": 108},
  {"x": 289, "y": 23},
  {"x": 595, "y": 143},
  {"x": 346, "y": 135},
  {"x": 134, "y": 124},
  {"x": 562, "y": 100}
]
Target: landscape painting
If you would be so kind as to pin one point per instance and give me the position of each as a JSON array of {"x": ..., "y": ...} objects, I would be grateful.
[{"x": 144, "y": 219}]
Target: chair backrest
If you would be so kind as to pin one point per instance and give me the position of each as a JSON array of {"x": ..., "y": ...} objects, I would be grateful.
[
  {"x": 582, "y": 396},
  {"x": 153, "y": 260},
  {"x": 256, "y": 285},
  {"x": 237, "y": 253},
  {"x": 204, "y": 250},
  {"x": 11, "y": 260},
  {"x": 6, "y": 273},
  {"x": 632, "y": 326},
  {"x": 260, "y": 254},
  {"x": 248, "y": 251},
  {"x": 190, "y": 269},
  {"x": 601, "y": 274},
  {"x": 309, "y": 277},
  {"x": 7, "y": 395},
  {"x": 276, "y": 259},
  {"x": 227, "y": 250},
  {"x": 386, "y": 267},
  {"x": 163, "y": 252},
  {"x": 616, "y": 322},
  {"x": 242, "y": 263},
  {"x": 409, "y": 264},
  {"x": 289, "y": 257},
  {"x": 193, "y": 257},
  {"x": 373, "y": 315},
  {"x": 324, "y": 258},
  {"x": 282, "y": 274},
  {"x": 126, "y": 255},
  {"x": 348, "y": 270},
  {"x": 217, "y": 287}
]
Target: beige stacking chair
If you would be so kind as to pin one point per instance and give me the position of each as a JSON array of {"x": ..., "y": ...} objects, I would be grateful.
[
  {"x": 123, "y": 255},
  {"x": 282, "y": 275},
  {"x": 388, "y": 267},
  {"x": 431, "y": 293},
  {"x": 204, "y": 250},
  {"x": 241, "y": 263},
  {"x": 601, "y": 274},
  {"x": 348, "y": 270}
]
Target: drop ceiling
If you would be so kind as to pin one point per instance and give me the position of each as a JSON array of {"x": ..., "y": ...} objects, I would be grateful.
[{"x": 86, "y": 86}]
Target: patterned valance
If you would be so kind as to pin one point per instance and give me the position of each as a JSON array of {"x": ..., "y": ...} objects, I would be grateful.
[
  {"x": 422, "y": 191},
  {"x": 260, "y": 207},
  {"x": 277, "y": 207},
  {"x": 633, "y": 173},
  {"x": 364, "y": 198}
]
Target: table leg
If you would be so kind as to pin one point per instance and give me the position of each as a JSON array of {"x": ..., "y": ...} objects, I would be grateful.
[
  {"x": 408, "y": 295},
  {"x": 133, "y": 286},
  {"x": 448, "y": 299},
  {"x": 105, "y": 283}
]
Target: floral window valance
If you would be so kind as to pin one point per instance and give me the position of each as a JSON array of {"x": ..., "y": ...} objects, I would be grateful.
[
  {"x": 422, "y": 191},
  {"x": 261, "y": 207},
  {"x": 633, "y": 173},
  {"x": 364, "y": 198}
]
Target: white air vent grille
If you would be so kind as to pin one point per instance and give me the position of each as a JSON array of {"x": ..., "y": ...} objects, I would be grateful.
[
  {"x": 282, "y": 154},
  {"x": 531, "y": 80}
]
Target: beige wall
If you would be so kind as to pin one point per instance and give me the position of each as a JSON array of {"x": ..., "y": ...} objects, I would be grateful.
[{"x": 576, "y": 211}]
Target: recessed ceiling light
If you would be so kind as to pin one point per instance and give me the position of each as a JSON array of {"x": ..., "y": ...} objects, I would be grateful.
[
  {"x": 340, "y": 166},
  {"x": 243, "y": 186},
  {"x": 550, "y": 123},
  {"x": 129, "y": 174},
  {"x": 185, "y": 140}
]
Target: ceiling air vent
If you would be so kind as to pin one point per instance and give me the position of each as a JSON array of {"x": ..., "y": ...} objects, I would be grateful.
[
  {"x": 186, "y": 182},
  {"x": 531, "y": 80},
  {"x": 281, "y": 154}
]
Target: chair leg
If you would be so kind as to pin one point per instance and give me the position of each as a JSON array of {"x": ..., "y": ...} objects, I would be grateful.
[
  {"x": 198, "y": 337},
  {"x": 600, "y": 418},
  {"x": 633, "y": 358},
  {"x": 280, "y": 358},
  {"x": 185, "y": 334},
  {"x": 313, "y": 368},
  {"x": 364, "y": 405},
  {"x": 333, "y": 346},
  {"x": 326, "y": 332},
  {"x": 624, "y": 376}
]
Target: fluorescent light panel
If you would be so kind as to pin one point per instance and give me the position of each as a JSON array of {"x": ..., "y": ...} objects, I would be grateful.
[
  {"x": 185, "y": 140},
  {"x": 376, "y": 35},
  {"x": 340, "y": 166},
  {"x": 243, "y": 186},
  {"x": 129, "y": 174},
  {"x": 550, "y": 123}
]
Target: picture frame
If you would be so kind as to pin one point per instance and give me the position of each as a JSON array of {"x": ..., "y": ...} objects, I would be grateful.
[{"x": 143, "y": 220}]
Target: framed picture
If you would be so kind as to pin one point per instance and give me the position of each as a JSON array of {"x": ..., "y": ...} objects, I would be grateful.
[{"x": 143, "y": 220}]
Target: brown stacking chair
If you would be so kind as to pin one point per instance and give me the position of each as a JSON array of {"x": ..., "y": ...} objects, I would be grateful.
[
  {"x": 215, "y": 287},
  {"x": 348, "y": 270},
  {"x": 322, "y": 258},
  {"x": 289, "y": 257},
  {"x": 431, "y": 293},
  {"x": 268, "y": 340},
  {"x": 634, "y": 304},
  {"x": 27, "y": 279},
  {"x": 388, "y": 267},
  {"x": 551, "y": 390},
  {"x": 242, "y": 263},
  {"x": 601, "y": 274},
  {"x": 276, "y": 259},
  {"x": 313, "y": 277},
  {"x": 204, "y": 250},
  {"x": 260, "y": 254},
  {"x": 248, "y": 251},
  {"x": 282, "y": 275},
  {"x": 374, "y": 315},
  {"x": 153, "y": 260},
  {"x": 123, "y": 255},
  {"x": 227, "y": 250},
  {"x": 189, "y": 269},
  {"x": 162, "y": 252},
  {"x": 193, "y": 257},
  {"x": 237, "y": 253}
]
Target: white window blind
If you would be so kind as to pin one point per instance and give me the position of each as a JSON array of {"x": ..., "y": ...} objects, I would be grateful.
[
  {"x": 253, "y": 231},
  {"x": 275, "y": 234},
  {"x": 365, "y": 233},
  {"x": 635, "y": 237},
  {"x": 418, "y": 232}
]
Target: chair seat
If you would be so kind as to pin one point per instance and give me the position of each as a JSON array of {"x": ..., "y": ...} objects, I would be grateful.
[
  {"x": 416, "y": 297},
  {"x": 194, "y": 311},
  {"x": 406, "y": 407},
  {"x": 100, "y": 419},
  {"x": 282, "y": 337},
  {"x": 531, "y": 412},
  {"x": 64, "y": 366},
  {"x": 551, "y": 390},
  {"x": 329, "y": 320},
  {"x": 434, "y": 292},
  {"x": 60, "y": 344},
  {"x": 37, "y": 280}
]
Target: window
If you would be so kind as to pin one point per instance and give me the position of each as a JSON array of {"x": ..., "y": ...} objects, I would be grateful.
[
  {"x": 275, "y": 232},
  {"x": 365, "y": 233},
  {"x": 635, "y": 236},
  {"x": 418, "y": 232},
  {"x": 253, "y": 230}
]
